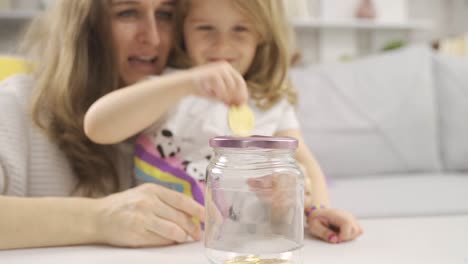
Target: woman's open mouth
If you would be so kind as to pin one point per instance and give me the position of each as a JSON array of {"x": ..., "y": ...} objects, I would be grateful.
[{"x": 144, "y": 64}]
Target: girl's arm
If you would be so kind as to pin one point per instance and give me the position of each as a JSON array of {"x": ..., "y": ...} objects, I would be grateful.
[
  {"x": 127, "y": 111},
  {"x": 315, "y": 186},
  {"x": 43, "y": 222}
]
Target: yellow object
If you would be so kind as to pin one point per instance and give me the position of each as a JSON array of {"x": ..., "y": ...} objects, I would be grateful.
[
  {"x": 11, "y": 65},
  {"x": 241, "y": 120},
  {"x": 457, "y": 46}
]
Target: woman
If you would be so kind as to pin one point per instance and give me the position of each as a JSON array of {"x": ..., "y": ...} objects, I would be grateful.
[{"x": 83, "y": 49}]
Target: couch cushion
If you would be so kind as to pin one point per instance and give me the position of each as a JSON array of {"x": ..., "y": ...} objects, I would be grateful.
[
  {"x": 451, "y": 79},
  {"x": 372, "y": 116},
  {"x": 402, "y": 195}
]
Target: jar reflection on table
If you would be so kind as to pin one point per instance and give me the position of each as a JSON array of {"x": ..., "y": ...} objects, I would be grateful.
[{"x": 254, "y": 201}]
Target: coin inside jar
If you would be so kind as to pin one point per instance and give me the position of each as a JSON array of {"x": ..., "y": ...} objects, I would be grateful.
[{"x": 255, "y": 260}]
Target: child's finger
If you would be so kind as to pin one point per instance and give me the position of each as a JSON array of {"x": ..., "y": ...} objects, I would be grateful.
[
  {"x": 357, "y": 231},
  {"x": 230, "y": 84},
  {"x": 241, "y": 88},
  {"x": 360, "y": 230},
  {"x": 319, "y": 228},
  {"x": 219, "y": 87},
  {"x": 346, "y": 231}
]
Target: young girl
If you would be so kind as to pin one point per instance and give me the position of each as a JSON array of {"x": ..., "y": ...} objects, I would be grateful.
[{"x": 237, "y": 51}]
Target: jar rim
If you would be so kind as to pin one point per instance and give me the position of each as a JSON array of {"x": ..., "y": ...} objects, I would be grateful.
[{"x": 261, "y": 142}]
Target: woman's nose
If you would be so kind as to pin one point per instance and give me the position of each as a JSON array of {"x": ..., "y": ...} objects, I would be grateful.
[{"x": 149, "y": 34}]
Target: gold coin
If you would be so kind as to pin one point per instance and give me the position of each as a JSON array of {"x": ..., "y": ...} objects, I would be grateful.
[
  {"x": 273, "y": 261},
  {"x": 250, "y": 259},
  {"x": 241, "y": 120},
  {"x": 255, "y": 260}
]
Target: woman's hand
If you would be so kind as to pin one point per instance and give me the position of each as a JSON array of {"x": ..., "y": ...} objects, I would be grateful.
[
  {"x": 148, "y": 215},
  {"x": 333, "y": 226},
  {"x": 219, "y": 81}
]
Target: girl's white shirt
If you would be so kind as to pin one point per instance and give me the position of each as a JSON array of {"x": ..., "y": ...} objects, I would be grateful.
[{"x": 195, "y": 120}]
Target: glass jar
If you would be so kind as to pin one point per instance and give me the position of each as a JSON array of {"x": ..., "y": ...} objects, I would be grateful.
[{"x": 254, "y": 201}]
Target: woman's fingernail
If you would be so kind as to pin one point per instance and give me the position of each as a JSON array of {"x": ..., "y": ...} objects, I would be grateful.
[{"x": 333, "y": 238}]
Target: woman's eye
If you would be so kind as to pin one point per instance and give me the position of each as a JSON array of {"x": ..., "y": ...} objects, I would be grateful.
[
  {"x": 127, "y": 13},
  {"x": 204, "y": 27},
  {"x": 165, "y": 15},
  {"x": 241, "y": 29}
]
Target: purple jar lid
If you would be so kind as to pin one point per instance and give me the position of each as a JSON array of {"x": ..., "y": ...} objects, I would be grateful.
[{"x": 254, "y": 142}]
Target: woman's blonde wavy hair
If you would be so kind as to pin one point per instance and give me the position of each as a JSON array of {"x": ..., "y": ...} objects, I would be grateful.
[
  {"x": 267, "y": 77},
  {"x": 74, "y": 66}
]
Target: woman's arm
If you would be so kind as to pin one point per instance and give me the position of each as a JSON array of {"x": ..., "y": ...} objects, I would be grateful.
[
  {"x": 316, "y": 189},
  {"x": 43, "y": 222},
  {"x": 145, "y": 216},
  {"x": 127, "y": 111}
]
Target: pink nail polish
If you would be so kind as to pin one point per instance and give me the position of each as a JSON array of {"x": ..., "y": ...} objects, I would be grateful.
[{"x": 333, "y": 238}]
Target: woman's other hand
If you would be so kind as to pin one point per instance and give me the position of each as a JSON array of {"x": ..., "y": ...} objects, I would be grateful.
[{"x": 148, "y": 215}]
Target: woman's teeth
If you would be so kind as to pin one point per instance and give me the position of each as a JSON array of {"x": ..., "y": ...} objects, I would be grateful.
[{"x": 146, "y": 59}]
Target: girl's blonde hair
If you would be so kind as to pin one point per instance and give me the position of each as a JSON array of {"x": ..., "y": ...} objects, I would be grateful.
[
  {"x": 74, "y": 66},
  {"x": 267, "y": 76}
]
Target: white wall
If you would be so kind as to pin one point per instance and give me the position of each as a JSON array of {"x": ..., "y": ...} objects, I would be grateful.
[
  {"x": 460, "y": 16},
  {"x": 11, "y": 28},
  {"x": 448, "y": 17},
  {"x": 9, "y": 34}
]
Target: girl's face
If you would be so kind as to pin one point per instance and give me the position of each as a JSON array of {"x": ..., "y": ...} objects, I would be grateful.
[
  {"x": 215, "y": 30},
  {"x": 142, "y": 34}
]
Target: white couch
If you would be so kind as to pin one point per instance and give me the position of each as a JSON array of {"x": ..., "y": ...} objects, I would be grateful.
[{"x": 390, "y": 131}]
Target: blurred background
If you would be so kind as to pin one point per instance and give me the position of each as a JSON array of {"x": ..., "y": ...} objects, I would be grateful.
[
  {"x": 327, "y": 30},
  {"x": 341, "y": 30}
]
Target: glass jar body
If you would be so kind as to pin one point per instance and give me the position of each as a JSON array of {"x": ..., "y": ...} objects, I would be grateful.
[{"x": 254, "y": 204}]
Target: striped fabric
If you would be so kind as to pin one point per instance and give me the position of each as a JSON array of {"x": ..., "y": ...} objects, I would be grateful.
[{"x": 149, "y": 167}]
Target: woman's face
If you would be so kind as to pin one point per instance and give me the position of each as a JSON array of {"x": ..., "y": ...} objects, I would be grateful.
[{"x": 142, "y": 34}]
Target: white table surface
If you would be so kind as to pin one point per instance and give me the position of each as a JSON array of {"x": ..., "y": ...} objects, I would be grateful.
[{"x": 400, "y": 240}]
